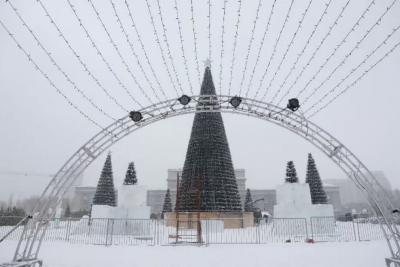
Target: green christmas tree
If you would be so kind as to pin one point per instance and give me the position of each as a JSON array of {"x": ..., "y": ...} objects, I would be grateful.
[
  {"x": 248, "y": 203},
  {"x": 105, "y": 193},
  {"x": 291, "y": 174},
  {"x": 318, "y": 195},
  {"x": 130, "y": 176},
  {"x": 208, "y": 164},
  {"x": 167, "y": 206}
]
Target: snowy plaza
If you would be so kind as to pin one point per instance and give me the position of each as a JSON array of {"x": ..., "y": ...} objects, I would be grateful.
[{"x": 366, "y": 254}]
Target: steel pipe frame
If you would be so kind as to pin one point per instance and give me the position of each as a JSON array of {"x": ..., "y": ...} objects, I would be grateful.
[{"x": 30, "y": 241}]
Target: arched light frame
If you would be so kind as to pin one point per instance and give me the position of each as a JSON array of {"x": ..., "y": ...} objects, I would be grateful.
[{"x": 32, "y": 236}]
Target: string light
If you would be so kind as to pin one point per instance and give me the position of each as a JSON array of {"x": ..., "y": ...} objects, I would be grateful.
[
  {"x": 222, "y": 47},
  {"x": 128, "y": 69},
  {"x": 160, "y": 47},
  {"x": 357, "y": 80},
  {"x": 353, "y": 28},
  {"x": 59, "y": 91},
  {"x": 53, "y": 61},
  {"x": 260, "y": 48},
  {"x": 79, "y": 58},
  {"x": 234, "y": 45},
  {"x": 164, "y": 28},
  {"x": 132, "y": 49},
  {"x": 271, "y": 58},
  {"x": 280, "y": 94},
  {"x": 299, "y": 25},
  {"x": 328, "y": 33},
  {"x": 249, "y": 46},
  {"x": 209, "y": 30},
  {"x": 333, "y": 89},
  {"x": 349, "y": 54},
  {"x": 282, "y": 85},
  {"x": 182, "y": 47},
  {"x": 100, "y": 54},
  {"x": 139, "y": 38},
  {"x": 195, "y": 41}
]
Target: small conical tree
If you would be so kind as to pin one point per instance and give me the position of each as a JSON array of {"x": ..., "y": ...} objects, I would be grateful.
[
  {"x": 167, "y": 206},
  {"x": 248, "y": 203},
  {"x": 318, "y": 195},
  {"x": 67, "y": 212},
  {"x": 291, "y": 174},
  {"x": 105, "y": 193},
  {"x": 130, "y": 176}
]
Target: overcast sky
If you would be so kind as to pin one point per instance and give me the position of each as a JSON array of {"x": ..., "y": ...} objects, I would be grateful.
[{"x": 40, "y": 130}]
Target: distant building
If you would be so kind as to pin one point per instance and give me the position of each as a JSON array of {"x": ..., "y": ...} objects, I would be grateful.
[
  {"x": 83, "y": 197},
  {"x": 351, "y": 195},
  {"x": 265, "y": 199},
  {"x": 333, "y": 194}
]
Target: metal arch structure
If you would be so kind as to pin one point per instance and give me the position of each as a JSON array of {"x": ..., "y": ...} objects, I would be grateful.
[{"x": 32, "y": 236}]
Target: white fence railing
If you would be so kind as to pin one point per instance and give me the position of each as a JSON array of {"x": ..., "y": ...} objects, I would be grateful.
[{"x": 161, "y": 232}]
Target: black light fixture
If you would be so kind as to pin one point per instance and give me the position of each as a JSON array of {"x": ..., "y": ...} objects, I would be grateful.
[
  {"x": 136, "y": 116},
  {"x": 293, "y": 104},
  {"x": 184, "y": 100},
  {"x": 235, "y": 101}
]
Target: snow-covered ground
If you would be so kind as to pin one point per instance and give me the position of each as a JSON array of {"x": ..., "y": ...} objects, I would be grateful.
[{"x": 324, "y": 254}]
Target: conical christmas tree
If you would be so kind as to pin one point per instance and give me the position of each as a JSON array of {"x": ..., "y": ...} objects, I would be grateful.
[
  {"x": 105, "y": 193},
  {"x": 291, "y": 174},
  {"x": 248, "y": 203},
  {"x": 318, "y": 195},
  {"x": 167, "y": 206},
  {"x": 208, "y": 167},
  {"x": 130, "y": 176}
]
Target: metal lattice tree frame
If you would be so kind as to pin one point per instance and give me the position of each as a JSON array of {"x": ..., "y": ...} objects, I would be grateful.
[{"x": 30, "y": 241}]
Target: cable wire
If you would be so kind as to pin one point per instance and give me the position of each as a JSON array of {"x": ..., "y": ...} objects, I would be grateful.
[{"x": 59, "y": 91}]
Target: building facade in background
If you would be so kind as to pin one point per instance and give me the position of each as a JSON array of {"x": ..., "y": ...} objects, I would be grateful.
[
  {"x": 264, "y": 199},
  {"x": 342, "y": 193}
]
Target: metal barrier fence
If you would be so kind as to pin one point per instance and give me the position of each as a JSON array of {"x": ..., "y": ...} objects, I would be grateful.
[{"x": 219, "y": 231}]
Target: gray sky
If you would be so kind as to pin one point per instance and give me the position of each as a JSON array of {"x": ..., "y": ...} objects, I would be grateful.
[{"x": 39, "y": 130}]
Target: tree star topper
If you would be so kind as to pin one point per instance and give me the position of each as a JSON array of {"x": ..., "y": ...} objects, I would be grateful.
[{"x": 207, "y": 63}]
